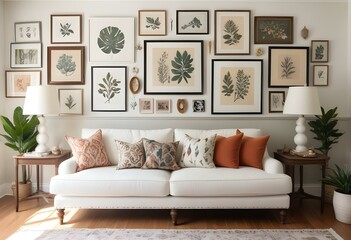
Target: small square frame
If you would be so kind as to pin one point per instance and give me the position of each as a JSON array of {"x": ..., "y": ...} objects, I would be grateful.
[
  {"x": 66, "y": 28},
  {"x": 274, "y": 30},
  {"x": 198, "y": 106},
  {"x": 27, "y": 32},
  {"x": 146, "y": 105},
  {"x": 163, "y": 105},
  {"x": 193, "y": 22},
  {"x": 152, "y": 22},
  {"x": 71, "y": 101},
  {"x": 320, "y": 75},
  {"x": 26, "y": 55},
  {"x": 17, "y": 81},
  {"x": 276, "y": 101},
  {"x": 319, "y": 51}
]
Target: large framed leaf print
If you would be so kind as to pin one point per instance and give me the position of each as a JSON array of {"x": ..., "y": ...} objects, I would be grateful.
[
  {"x": 232, "y": 32},
  {"x": 108, "y": 89},
  {"x": 237, "y": 86},
  {"x": 173, "y": 67},
  {"x": 111, "y": 39}
]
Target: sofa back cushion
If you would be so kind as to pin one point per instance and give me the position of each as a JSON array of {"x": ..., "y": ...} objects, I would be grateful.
[{"x": 127, "y": 135}]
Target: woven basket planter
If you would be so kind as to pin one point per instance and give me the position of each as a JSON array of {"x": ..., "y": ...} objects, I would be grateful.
[{"x": 24, "y": 190}]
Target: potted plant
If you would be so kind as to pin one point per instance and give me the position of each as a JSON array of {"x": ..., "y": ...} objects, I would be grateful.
[
  {"x": 21, "y": 137},
  {"x": 341, "y": 180}
]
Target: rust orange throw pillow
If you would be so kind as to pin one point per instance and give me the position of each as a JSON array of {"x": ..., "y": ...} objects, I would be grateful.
[
  {"x": 252, "y": 150},
  {"x": 89, "y": 152},
  {"x": 226, "y": 152}
]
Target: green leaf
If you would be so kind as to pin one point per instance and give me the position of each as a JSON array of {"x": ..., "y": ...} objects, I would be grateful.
[{"x": 111, "y": 40}]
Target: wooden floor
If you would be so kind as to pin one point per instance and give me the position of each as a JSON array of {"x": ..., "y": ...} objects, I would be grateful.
[{"x": 38, "y": 213}]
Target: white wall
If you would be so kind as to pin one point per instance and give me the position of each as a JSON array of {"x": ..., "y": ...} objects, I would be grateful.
[{"x": 325, "y": 20}]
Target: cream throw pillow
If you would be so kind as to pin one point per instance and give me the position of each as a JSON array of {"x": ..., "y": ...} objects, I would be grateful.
[{"x": 131, "y": 155}]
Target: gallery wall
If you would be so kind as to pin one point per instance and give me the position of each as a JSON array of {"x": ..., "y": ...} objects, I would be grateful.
[{"x": 311, "y": 14}]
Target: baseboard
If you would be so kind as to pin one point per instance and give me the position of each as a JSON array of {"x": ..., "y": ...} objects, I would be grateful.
[{"x": 5, "y": 189}]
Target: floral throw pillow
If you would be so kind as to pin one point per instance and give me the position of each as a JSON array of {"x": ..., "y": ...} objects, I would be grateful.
[
  {"x": 90, "y": 152},
  {"x": 131, "y": 155},
  {"x": 198, "y": 152},
  {"x": 160, "y": 155}
]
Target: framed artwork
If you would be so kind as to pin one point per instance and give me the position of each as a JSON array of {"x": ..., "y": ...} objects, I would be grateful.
[
  {"x": 27, "y": 32},
  {"x": 193, "y": 22},
  {"x": 71, "y": 101},
  {"x": 288, "y": 66},
  {"x": 111, "y": 39},
  {"x": 109, "y": 89},
  {"x": 320, "y": 75},
  {"x": 163, "y": 105},
  {"x": 232, "y": 32},
  {"x": 26, "y": 55},
  {"x": 274, "y": 30},
  {"x": 66, "y": 65},
  {"x": 276, "y": 101},
  {"x": 237, "y": 86},
  {"x": 17, "y": 81},
  {"x": 319, "y": 51},
  {"x": 152, "y": 22},
  {"x": 146, "y": 105},
  {"x": 173, "y": 67},
  {"x": 198, "y": 105},
  {"x": 66, "y": 28}
]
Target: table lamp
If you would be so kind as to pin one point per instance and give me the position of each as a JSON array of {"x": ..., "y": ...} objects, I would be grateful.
[
  {"x": 302, "y": 101},
  {"x": 41, "y": 101}
]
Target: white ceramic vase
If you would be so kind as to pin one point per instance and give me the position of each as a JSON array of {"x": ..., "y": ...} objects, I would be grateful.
[{"x": 342, "y": 207}]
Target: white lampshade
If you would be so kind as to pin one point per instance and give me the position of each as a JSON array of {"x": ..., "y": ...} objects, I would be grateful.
[{"x": 41, "y": 100}]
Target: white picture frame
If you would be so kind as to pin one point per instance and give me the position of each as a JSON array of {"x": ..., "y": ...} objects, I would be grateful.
[{"x": 26, "y": 55}]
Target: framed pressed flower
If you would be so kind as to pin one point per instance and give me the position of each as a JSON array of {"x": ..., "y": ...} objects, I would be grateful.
[
  {"x": 152, "y": 23},
  {"x": 274, "y": 30},
  {"x": 17, "y": 81},
  {"x": 319, "y": 51}
]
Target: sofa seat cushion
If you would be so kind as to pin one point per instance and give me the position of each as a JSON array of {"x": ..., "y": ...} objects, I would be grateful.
[
  {"x": 220, "y": 182},
  {"x": 109, "y": 182}
]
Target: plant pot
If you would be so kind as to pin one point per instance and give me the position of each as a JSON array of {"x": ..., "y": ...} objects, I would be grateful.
[
  {"x": 342, "y": 207},
  {"x": 24, "y": 190}
]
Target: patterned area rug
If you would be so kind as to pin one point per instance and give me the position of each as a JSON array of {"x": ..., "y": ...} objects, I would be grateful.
[{"x": 170, "y": 234}]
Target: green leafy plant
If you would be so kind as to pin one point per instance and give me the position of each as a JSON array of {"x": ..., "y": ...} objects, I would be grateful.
[
  {"x": 20, "y": 134},
  {"x": 228, "y": 86},
  {"x": 109, "y": 88},
  {"x": 70, "y": 102},
  {"x": 65, "y": 29},
  {"x": 65, "y": 65},
  {"x": 111, "y": 40},
  {"x": 319, "y": 54},
  {"x": 163, "y": 72},
  {"x": 232, "y": 37},
  {"x": 242, "y": 85},
  {"x": 287, "y": 67},
  {"x": 320, "y": 74},
  {"x": 182, "y": 66},
  {"x": 153, "y": 23},
  {"x": 340, "y": 179},
  {"x": 193, "y": 23},
  {"x": 324, "y": 128}
]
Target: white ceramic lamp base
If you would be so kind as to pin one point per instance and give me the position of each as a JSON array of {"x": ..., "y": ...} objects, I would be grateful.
[
  {"x": 300, "y": 138},
  {"x": 42, "y": 137}
]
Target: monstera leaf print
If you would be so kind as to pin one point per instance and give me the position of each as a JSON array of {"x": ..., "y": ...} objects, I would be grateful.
[
  {"x": 182, "y": 67},
  {"x": 111, "y": 40}
]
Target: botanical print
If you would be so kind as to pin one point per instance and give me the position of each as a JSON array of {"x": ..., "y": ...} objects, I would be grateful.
[
  {"x": 287, "y": 68},
  {"x": 320, "y": 75},
  {"x": 26, "y": 56},
  {"x": 66, "y": 65},
  {"x": 66, "y": 28},
  {"x": 146, "y": 105},
  {"x": 152, "y": 23},
  {"x": 273, "y": 30},
  {"x": 163, "y": 106},
  {"x": 109, "y": 87},
  {"x": 111, "y": 40},
  {"x": 21, "y": 82},
  {"x": 232, "y": 32},
  {"x": 319, "y": 50},
  {"x": 192, "y": 21},
  {"x": 198, "y": 105},
  {"x": 276, "y": 101},
  {"x": 71, "y": 101},
  {"x": 163, "y": 71},
  {"x": 28, "y": 31},
  {"x": 17, "y": 82}
]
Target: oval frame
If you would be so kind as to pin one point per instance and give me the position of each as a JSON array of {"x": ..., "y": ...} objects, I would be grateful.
[
  {"x": 182, "y": 105},
  {"x": 134, "y": 85}
]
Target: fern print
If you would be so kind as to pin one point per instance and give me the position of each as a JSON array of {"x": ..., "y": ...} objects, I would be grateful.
[
  {"x": 232, "y": 35},
  {"x": 228, "y": 86},
  {"x": 182, "y": 67},
  {"x": 70, "y": 102},
  {"x": 109, "y": 88},
  {"x": 163, "y": 72},
  {"x": 242, "y": 85},
  {"x": 287, "y": 68},
  {"x": 319, "y": 54}
]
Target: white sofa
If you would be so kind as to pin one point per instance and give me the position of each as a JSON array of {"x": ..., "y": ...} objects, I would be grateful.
[{"x": 187, "y": 188}]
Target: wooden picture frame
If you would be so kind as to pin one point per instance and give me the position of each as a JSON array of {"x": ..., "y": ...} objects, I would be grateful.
[
  {"x": 146, "y": 105},
  {"x": 276, "y": 101},
  {"x": 26, "y": 55},
  {"x": 163, "y": 71},
  {"x": 134, "y": 85},
  {"x": 320, "y": 75},
  {"x": 162, "y": 105},
  {"x": 71, "y": 101},
  {"x": 274, "y": 30},
  {"x": 152, "y": 22},
  {"x": 232, "y": 32},
  {"x": 237, "y": 86},
  {"x": 108, "y": 88},
  {"x": 27, "y": 32},
  {"x": 66, "y": 65},
  {"x": 66, "y": 28},
  {"x": 319, "y": 51},
  {"x": 17, "y": 81},
  {"x": 192, "y": 22},
  {"x": 288, "y": 66}
]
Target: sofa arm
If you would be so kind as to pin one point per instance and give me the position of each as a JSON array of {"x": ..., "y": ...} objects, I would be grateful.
[
  {"x": 272, "y": 165},
  {"x": 68, "y": 166}
]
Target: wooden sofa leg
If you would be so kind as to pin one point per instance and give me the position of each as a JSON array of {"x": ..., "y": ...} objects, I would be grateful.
[
  {"x": 61, "y": 214},
  {"x": 283, "y": 215},
  {"x": 174, "y": 215}
]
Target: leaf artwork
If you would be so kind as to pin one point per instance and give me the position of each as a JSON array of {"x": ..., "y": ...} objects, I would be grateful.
[
  {"x": 194, "y": 23},
  {"x": 319, "y": 54},
  {"x": 153, "y": 23},
  {"x": 163, "y": 72},
  {"x": 276, "y": 100},
  {"x": 109, "y": 88},
  {"x": 228, "y": 86},
  {"x": 287, "y": 68},
  {"x": 182, "y": 67},
  {"x": 232, "y": 37},
  {"x": 242, "y": 85},
  {"x": 111, "y": 40},
  {"x": 65, "y": 65},
  {"x": 320, "y": 74},
  {"x": 65, "y": 29},
  {"x": 70, "y": 102}
]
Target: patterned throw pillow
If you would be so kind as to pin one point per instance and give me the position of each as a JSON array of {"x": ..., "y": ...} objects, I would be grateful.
[
  {"x": 160, "y": 155},
  {"x": 131, "y": 155},
  {"x": 89, "y": 152},
  {"x": 198, "y": 152}
]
